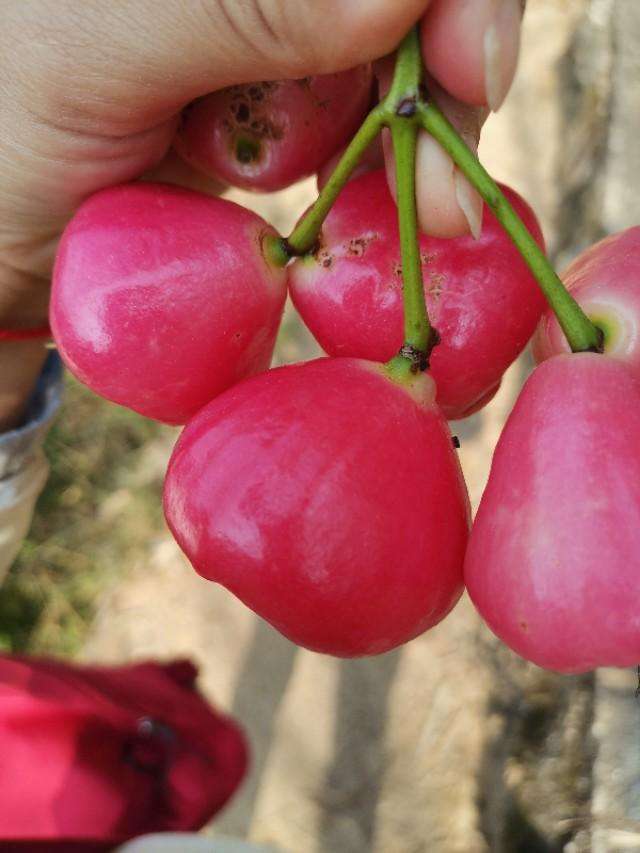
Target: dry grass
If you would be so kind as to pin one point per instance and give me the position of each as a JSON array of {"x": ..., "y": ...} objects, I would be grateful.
[{"x": 97, "y": 509}]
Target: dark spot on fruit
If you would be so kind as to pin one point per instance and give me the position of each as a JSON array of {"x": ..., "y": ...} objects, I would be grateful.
[
  {"x": 256, "y": 93},
  {"x": 247, "y": 150},
  {"x": 524, "y": 625},
  {"x": 325, "y": 258},
  {"x": 426, "y": 258},
  {"x": 238, "y": 336},
  {"x": 397, "y": 270},
  {"x": 242, "y": 112},
  {"x": 259, "y": 127},
  {"x": 436, "y": 286},
  {"x": 455, "y": 441},
  {"x": 357, "y": 247}
]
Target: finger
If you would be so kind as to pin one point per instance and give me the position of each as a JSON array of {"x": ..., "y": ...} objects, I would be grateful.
[
  {"x": 471, "y": 48},
  {"x": 174, "y": 170},
  {"x": 145, "y": 59},
  {"x": 93, "y": 91},
  {"x": 448, "y": 206}
]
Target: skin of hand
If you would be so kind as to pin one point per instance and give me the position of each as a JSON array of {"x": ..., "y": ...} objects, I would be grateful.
[{"x": 91, "y": 95}]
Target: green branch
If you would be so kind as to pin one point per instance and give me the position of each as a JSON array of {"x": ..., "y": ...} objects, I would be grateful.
[
  {"x": 580, "y": 332},
  {"x": 419, "y": 337},
  {"x": 305, "y": 235}
]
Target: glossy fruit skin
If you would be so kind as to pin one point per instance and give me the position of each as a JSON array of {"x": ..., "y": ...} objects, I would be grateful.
[
  {"x": 329, "y": 499},
  {"x": 605, "y": 280},
  {"x": 481, "y": 297},
  {"x": 266, "y": 136},
  {"x": 162, "y": 298},
  {"x": 553, "y": 557}
]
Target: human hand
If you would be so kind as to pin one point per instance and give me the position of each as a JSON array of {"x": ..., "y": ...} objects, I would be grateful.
[{"x": 92, "y": 96}]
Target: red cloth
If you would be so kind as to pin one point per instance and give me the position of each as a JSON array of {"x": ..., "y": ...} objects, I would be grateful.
[
  {"x": 93, "y": 756},
  {"x": 25, "y": 334}
]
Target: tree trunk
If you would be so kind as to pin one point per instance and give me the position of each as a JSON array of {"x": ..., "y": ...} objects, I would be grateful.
[{"x": 562, "y": 770}]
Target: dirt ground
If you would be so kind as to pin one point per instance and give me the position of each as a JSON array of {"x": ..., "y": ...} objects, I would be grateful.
[{"x": 448, "y": 745}]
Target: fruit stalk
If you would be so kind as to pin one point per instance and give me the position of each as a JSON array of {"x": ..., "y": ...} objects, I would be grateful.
[
  {"x": 400, "y": 108},
  {"x": 407, "y": 78},
  {"x": 398, "y": 113},
  {"x": 580, "y": 332},
  {"x": 419, "y": 337},
  {"x": 305, "y": 235},
  {"x": 405, "y": 109},
  {"x": 402, "y": 98}
]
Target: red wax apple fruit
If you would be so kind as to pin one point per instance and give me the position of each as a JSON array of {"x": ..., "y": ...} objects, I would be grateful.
[
  {"x": 605, "y": 281},
  {"x": 162, "y": 298},
  {"x": 481, "y": 297},
  {"x": 266, "y": 136},
  {"x": 553, "y": 563},
  {"x": 329, "y": 499}
]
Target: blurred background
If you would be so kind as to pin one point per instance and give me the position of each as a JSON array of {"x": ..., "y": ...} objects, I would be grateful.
[{"x": 451, "y": 743}]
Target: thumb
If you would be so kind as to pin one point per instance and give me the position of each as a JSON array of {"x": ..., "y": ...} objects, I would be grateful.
[{"x": 146, "y": 59}]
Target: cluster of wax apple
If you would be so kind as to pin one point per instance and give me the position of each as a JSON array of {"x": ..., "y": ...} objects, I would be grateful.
[{"x": 328, "y": 495}]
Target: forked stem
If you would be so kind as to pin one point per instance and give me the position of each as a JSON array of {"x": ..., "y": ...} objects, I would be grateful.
[{"x": 405, "y": 110}]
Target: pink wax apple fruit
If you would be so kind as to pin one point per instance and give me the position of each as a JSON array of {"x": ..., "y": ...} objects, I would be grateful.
[
  {"x": 329, "y": 499},
  {"x": 554, "y": 554},
  {"x": 605, "y": 281},
  {"x": 481, "y": 297},
  {"x": 162, "y": 298},
  {"x": 266, "y": 136}
]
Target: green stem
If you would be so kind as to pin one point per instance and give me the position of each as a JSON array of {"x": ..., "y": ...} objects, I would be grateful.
[
  {"x": 400, "y": 107},
  {"x": 417, "y": 329},
  {"x": 408, "y": 73},
  {"x": 305, "y": 235},
  {"x": 581, "y": 334}
]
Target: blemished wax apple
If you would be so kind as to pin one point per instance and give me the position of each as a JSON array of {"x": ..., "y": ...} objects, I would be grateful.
[
  {"x": 481, "y": 297},
  {"x": 605, "y": 281},
  {"x": 162, "y": 298},
  {"x": 329, "y": 499},
  {"x": 553, "y": 557},
  {"x": 266, "y": 136}
]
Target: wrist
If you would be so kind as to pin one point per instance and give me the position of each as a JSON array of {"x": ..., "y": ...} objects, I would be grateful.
[
  {"x": 24, "y": 299},
  {"x": 24, "y": 304},
  {"x": 20, "y": 365}
]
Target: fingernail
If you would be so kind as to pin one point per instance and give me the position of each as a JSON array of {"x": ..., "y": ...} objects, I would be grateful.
[
  {"x": 439, "y": 211},
  {"x": 501, "y": 47},
  {"x": 470, "y": 203}
]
